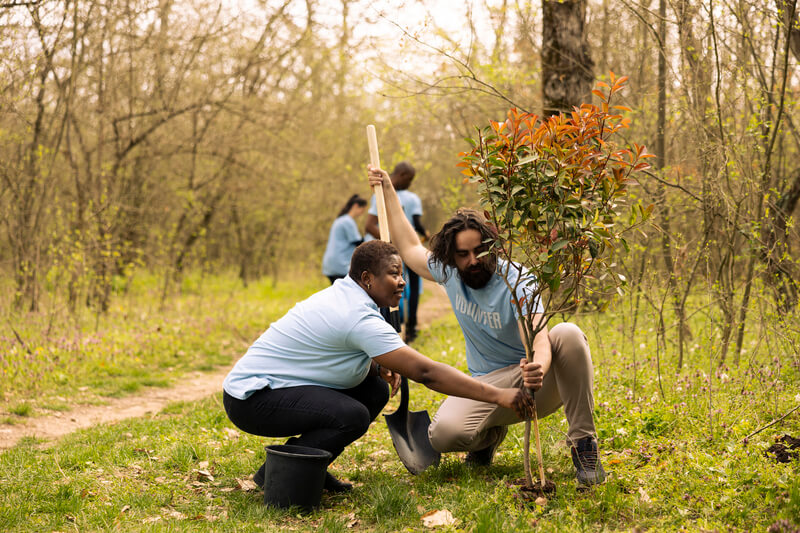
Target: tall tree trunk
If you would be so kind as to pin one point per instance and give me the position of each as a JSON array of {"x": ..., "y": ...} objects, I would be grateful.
[{"x": 566, "y": 64}]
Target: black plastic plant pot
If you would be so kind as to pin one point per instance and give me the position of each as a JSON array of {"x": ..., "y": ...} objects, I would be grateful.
[{"x": 294, "y": 476}]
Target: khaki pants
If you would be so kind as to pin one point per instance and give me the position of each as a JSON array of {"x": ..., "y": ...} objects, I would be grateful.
[{"x": 468, "y": 425}]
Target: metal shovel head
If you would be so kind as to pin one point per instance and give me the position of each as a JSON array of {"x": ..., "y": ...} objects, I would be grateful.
[{"x": 409, "y": 432}]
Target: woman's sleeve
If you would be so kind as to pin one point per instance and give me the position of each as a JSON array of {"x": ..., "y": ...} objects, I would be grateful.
[{"x": 374, "y": 336}]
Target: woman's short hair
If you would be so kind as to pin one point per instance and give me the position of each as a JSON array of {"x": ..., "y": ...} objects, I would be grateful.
[
  {"x": 370, "y": 256},
  {"x": 443, "y": 244}
]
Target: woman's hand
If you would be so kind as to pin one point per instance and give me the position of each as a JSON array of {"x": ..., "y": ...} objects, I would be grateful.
[
  {"x": 532, "y": 375},
  {"x": 392, "y": 378},
  {"x": 518, "y": 400},
  {"x": 377, "y": 176}
]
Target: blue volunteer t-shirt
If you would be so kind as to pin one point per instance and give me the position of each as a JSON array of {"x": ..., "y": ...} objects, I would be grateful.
[
  {"x": 488, "y": 318},
  {"x": 326, "y": 340},
  {"x": 342, "y": 241},
  {"x": 411, "y": 203}
]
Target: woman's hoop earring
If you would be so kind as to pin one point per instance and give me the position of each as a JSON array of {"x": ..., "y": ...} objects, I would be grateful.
[{"x": 369, "y": 286}]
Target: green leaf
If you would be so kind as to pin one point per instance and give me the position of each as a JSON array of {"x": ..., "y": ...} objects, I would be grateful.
[{"x": 528, "y": 159}]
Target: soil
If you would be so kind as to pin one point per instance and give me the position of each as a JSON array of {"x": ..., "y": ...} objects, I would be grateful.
[
  {"x": 784, "y": 450},
  {"x": 192, "y": 387},
  {"x": 535, "y": 494}
]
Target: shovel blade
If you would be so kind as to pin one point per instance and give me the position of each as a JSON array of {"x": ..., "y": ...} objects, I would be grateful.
[{"x": 409, "y": 432}]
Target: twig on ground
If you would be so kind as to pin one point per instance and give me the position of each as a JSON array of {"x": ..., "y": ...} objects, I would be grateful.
[{"x": 759, "y": 430}]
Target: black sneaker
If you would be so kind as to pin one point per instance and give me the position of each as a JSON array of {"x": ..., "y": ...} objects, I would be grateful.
[
  {"x": 484, "y": 457},
  {"x": 588, "y": 469},
  {"x": 335, "y": 485}
]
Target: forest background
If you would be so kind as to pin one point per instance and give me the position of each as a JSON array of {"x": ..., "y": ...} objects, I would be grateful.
[
  {"x": 168, "y": 142},
  {"x": 166, "y": 136}
]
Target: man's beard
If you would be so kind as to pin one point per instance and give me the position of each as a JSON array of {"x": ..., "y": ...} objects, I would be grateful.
[{"x": 477, "y": 276}]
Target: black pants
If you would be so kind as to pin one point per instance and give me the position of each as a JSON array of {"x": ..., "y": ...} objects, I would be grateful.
[
  {"x": 413, "y": 301},
  {"x": 329, "y": 419}
]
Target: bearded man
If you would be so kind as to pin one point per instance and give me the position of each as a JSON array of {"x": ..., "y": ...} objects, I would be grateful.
[{"x": 561, "y": 372}]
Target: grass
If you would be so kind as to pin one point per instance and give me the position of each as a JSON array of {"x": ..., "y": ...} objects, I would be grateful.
[
  {"x": 676, "y": 462},
  {"x": 138, "y": 344},
  {"x": 21, "y": 409}
]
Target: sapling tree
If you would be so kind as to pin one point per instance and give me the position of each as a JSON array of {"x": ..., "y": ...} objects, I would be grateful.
[{"x": 556, "y": 191}]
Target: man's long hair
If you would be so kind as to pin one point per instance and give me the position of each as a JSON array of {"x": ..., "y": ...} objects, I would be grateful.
[{"x": 443, "y": 244}]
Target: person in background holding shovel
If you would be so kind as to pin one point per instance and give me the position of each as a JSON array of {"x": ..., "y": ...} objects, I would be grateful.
[
  {"x": 343, "y": 239},
  {"x": 319, "y": 375},
  {"x": 561, "y": 373},
  {"x": 402, "y": 176}
]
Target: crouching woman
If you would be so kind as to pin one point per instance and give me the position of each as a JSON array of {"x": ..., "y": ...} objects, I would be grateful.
[{"x": 321, "y": 374}]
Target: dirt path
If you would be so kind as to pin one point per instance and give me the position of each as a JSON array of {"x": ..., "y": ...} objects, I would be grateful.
[{"x": 195, "y": 386}]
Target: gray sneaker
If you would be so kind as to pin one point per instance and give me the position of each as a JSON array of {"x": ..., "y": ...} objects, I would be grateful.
[
  {"x": 588, "y": 469},
  {"x": 484, "y": 456}
]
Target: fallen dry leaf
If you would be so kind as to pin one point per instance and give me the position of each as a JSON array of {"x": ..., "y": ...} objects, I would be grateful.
[
  {"x": 643, "y": 495},
  {"x": 203, "y": 465},
  {"x": 204, "y": 475},
  {"x": 124, "y": 508},
  {"x": 246, "y": 485},
  {"x": 541, "y": 501},
  {"x": 438, "y": 518},
  {"x": 172, "y": 513},
  {"x": 151, "y": 519},
  {"x": 352, "y": 521},
  {"x": 231, "y": 433}
]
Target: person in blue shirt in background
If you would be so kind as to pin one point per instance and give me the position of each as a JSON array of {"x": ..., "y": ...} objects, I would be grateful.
[
  {"x": 320, "y": 374},
  {"x": 343, "y": 239},
  {"x": 402, "y": 176}
]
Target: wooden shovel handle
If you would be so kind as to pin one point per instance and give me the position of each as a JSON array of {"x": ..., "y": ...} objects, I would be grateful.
[{"x": 374, "y": 159}]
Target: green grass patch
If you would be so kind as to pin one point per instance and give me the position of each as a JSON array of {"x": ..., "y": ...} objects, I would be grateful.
[
  {"x": 672, "y": 443},
  {"x": 139, "y": 342},
  {"x": 21, "y": 409}
]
